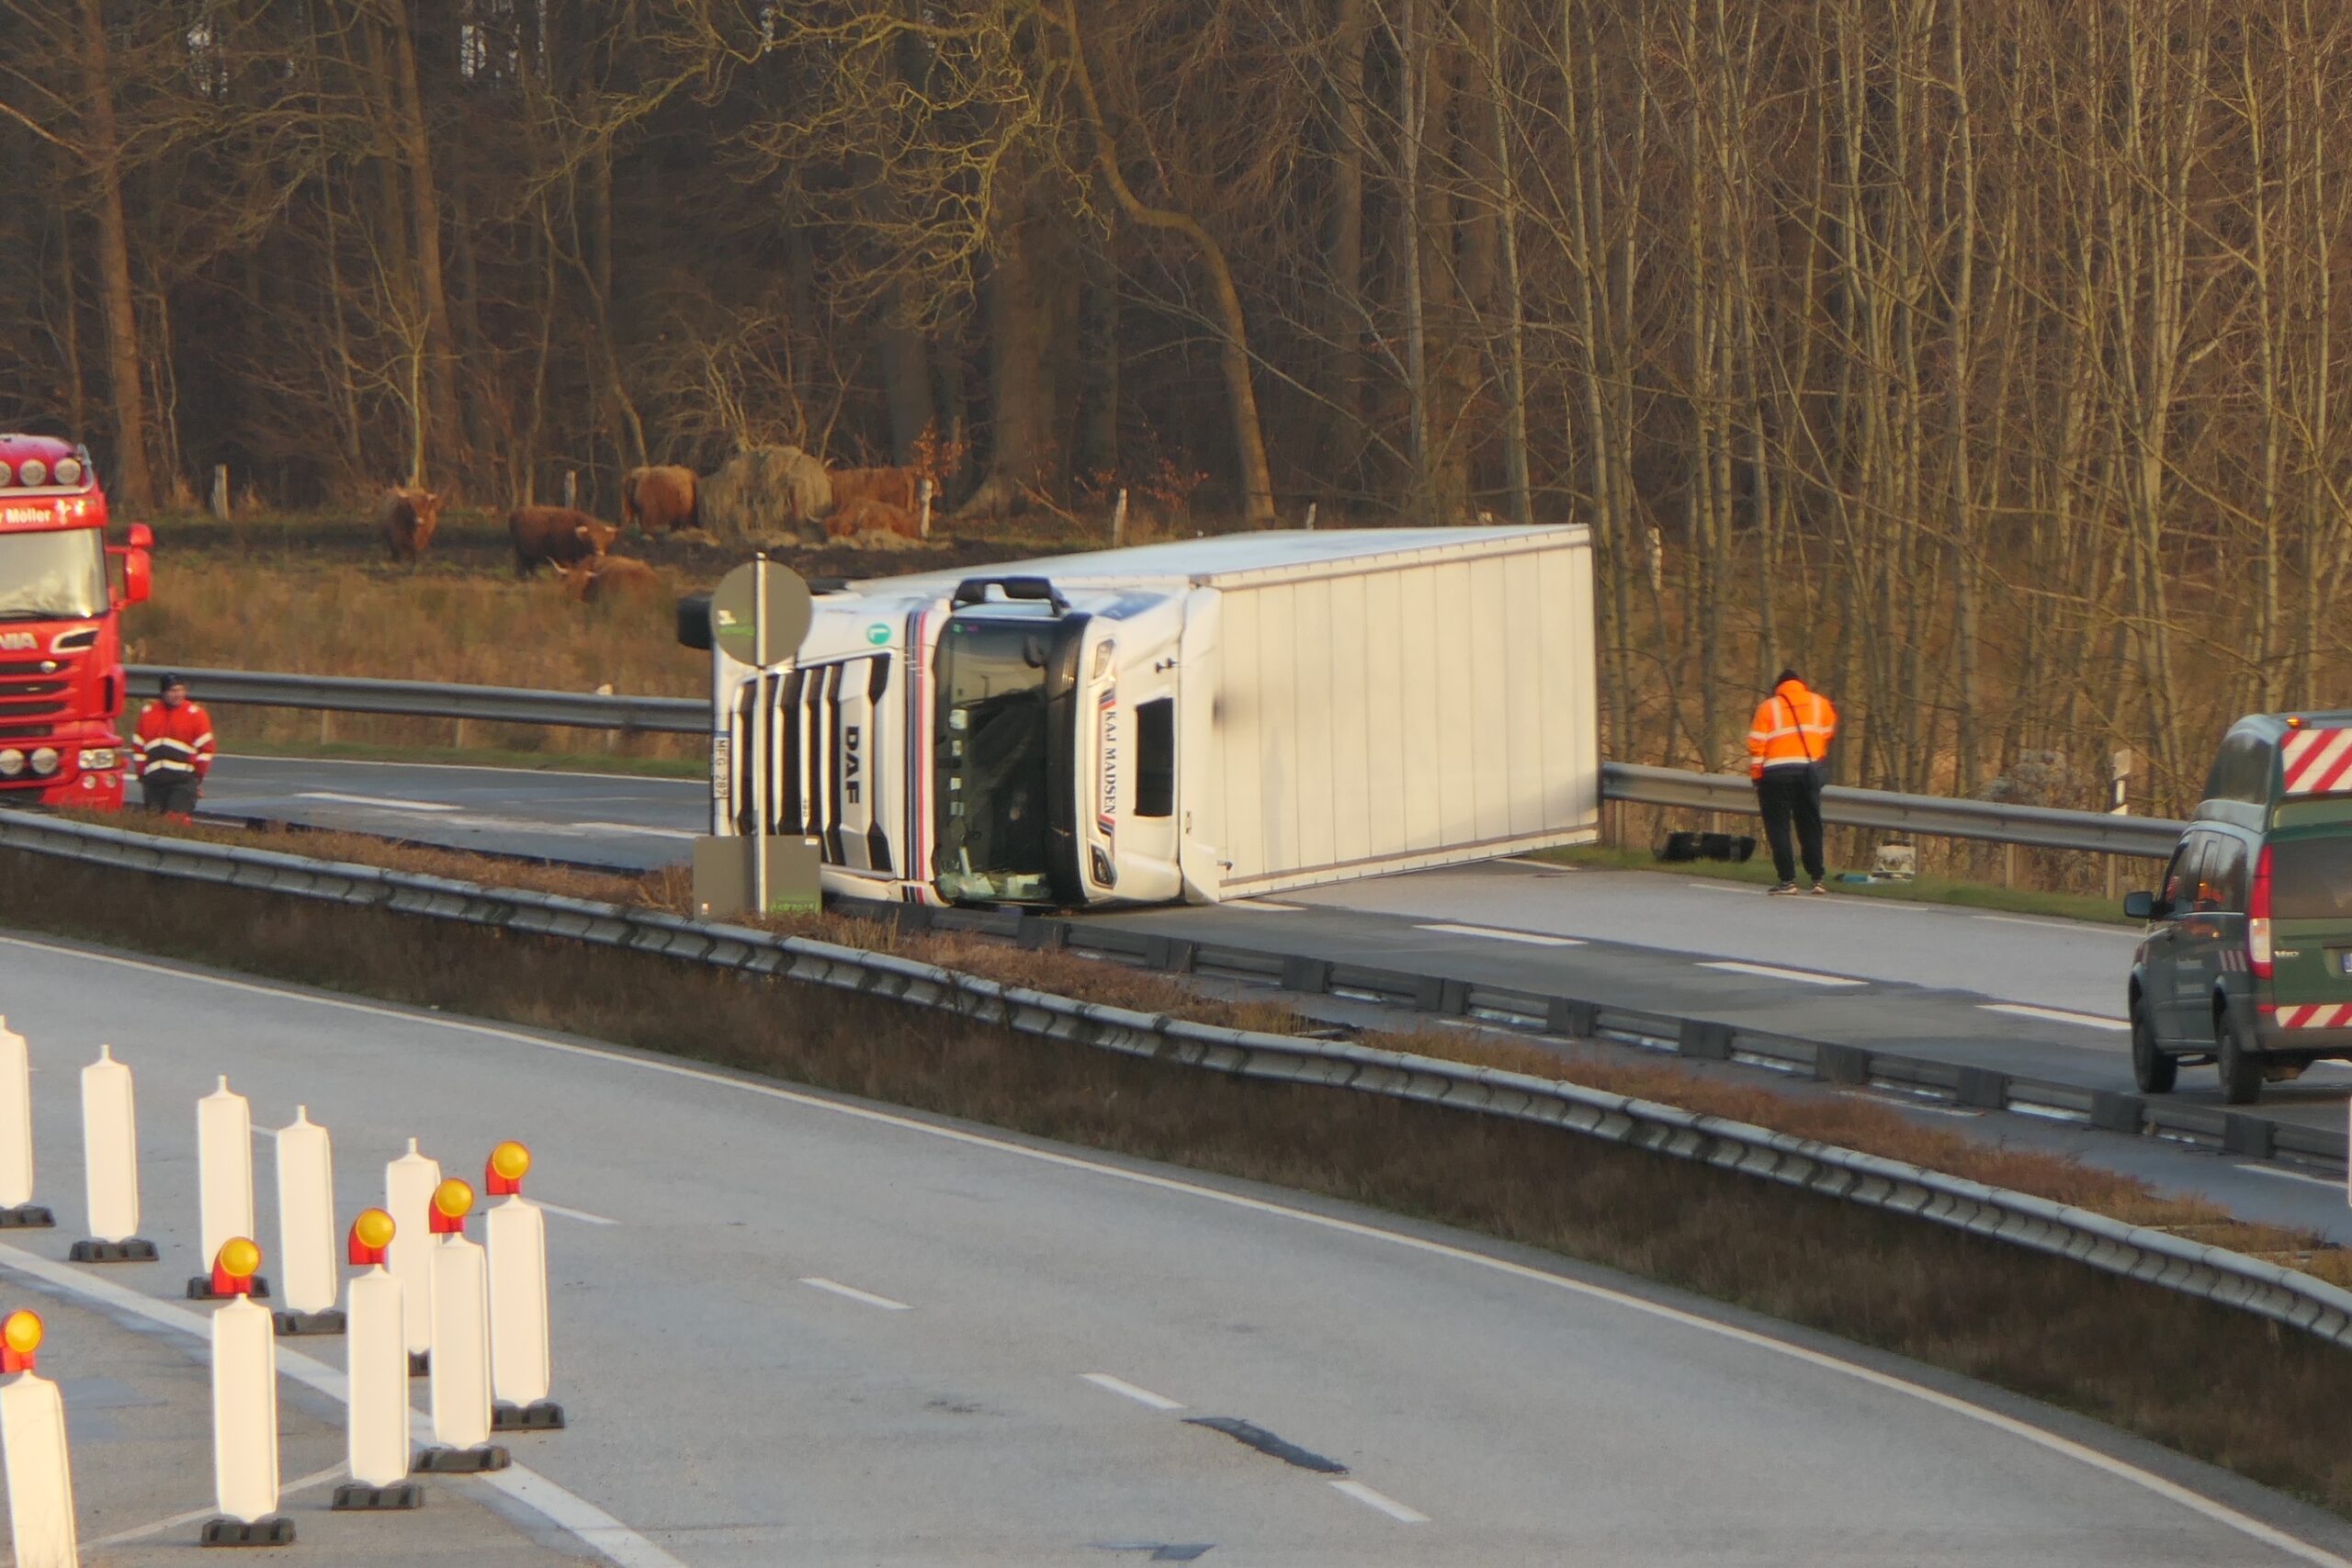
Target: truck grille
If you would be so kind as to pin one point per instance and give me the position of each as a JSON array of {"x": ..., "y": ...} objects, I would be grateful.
[
  {"x": 823, "y": 788},
  {"x": 33, "y": 700}
]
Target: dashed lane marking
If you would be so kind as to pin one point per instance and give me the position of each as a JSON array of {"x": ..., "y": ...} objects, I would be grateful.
[
  {"x": 583, "y": 1216},
  {"x": 851, "y": 1292},
  {"x": 634, "y": 827},
  {"x": 1774, "y": 972},
  {"x": 1387, "y": 1505},
  {"x": 2057, "y": 1015},
  {"x": 1533, "y": 938},
  {"x": 197, "y": 1516},
  {"x": 1140, "y": 1395},
  {"x": 381, "y": 803},
  {"x": 626, "y": 1548},
  {"x": 2328, "y": 1182}
]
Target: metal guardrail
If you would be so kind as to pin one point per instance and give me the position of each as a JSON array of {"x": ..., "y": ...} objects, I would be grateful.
[
  {"x": 2020, "y": 1219},
  {"x": 434, "y": 699},
  {"x": 2040, "y": 826}
]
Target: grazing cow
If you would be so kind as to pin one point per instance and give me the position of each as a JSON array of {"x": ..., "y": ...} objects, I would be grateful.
[
  {"x": 406, "y": 517},
  {"x": 602, "y": 580},
  {"x": 866, "y": 515},
  {"x": 660, "y": 499},
  {"x": 892, "y": 487},
  {"x": 557, "y": 534}
]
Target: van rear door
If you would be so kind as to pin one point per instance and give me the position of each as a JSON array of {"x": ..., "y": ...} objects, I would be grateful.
[{"x": 2310, "y": 924}]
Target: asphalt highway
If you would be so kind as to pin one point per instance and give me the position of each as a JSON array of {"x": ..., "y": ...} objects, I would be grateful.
[{"x": 794, "y": 1329}]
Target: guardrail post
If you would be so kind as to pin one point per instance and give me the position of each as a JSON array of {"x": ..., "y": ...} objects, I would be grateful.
[
  {"x": 1705, "y": 1040},
  {"x": 1833, "y": 1062}
]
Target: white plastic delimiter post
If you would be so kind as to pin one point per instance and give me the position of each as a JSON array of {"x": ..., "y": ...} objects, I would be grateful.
[
  {"x": 306, "y": 1215},
  {"x": 516, "y": 1233},
  {"x": 224, "y": 1170},
  {"x": 16, "y": 1119},
  {"x": 111, "y": 1148},
  {"x": 41, "y": 1479},
  {"x": 460, "y": 1344},
  {"x": 244, "y": 1411},
  {"x": 376, "y": 1344},
  {"x": 409, "y": 1183}
]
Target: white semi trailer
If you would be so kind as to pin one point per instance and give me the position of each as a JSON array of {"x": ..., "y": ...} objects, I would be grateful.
[{"x": 1199, "y": 720}]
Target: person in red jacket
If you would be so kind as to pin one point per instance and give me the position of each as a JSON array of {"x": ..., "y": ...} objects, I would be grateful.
[{"x": 172, "y": 746}]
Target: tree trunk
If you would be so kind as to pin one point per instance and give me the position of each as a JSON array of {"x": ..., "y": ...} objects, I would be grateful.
[
  {"x": 416, "y": 144},
  {"x": 135, "y": 484}
]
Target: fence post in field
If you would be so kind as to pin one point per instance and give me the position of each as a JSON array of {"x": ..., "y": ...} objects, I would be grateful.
[
  {"x": 1119, "y": 521},
  {"x": 571, "y": 489},
  {"x": 1310, "y": 516},
  {"x": 922, "y": 511},
  {"x": 221, "y": 491}
]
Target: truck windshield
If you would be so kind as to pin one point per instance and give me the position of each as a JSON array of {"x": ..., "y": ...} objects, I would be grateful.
[
  {"x": 53, "y": 576},
  {"x": 990, "y": 748}
]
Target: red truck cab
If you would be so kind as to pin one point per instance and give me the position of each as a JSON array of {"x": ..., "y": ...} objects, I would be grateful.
[{"x": 61, "y": 627}]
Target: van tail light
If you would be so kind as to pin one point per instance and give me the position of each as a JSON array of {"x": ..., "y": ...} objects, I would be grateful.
[{"x": 2257, "y": 918}]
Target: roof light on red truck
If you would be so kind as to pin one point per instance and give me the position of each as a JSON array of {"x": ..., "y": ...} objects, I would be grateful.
[{"x": 2257, "y": 918}]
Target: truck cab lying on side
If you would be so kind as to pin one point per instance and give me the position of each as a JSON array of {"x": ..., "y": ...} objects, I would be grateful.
[
  {"x": 2247, "y": 959},
  {"x": 1199, "y": 720}
]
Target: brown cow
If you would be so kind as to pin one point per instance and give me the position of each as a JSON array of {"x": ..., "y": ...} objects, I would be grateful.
[
  {"x": 406, "y": 517},
  {"x": 601, "y": 578},
  {"x": 893, "y": 487},
  {"x": 555, "y": 534},
  {"x": 866, "y": 515},
  {"x": 660, "y": 498}
]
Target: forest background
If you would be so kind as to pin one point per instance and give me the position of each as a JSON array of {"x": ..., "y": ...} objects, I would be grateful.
[{"x": 1984, "y": 361}]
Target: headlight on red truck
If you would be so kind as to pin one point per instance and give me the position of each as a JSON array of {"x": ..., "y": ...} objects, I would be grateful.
[
  {"x": 44, "y": 759},
  {"x": 11, "y": 762}
]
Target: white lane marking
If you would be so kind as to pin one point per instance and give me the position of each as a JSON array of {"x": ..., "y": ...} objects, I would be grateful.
[
  {"x": 2057, "y": 1015},
  {"x": 1387, "y": 1505},
  {"x": 637, "y": 828},
  {"x": 1726, "y": 887},
  {"x": 583, "y": 1216},
  {"x": 1532, "y": 938},
  {"x": 2329, "y": 1182},
  {"x": 512, "y": 1481},
  {"x": 380, "y": 802},
  {"x": 197, "y": 1516},
  {"x": 658, "y": 780},
  {"x": 853, "y": 1293},
  {"x": 1267, "y": 905},
  {"x": 1774, "y": 972},
  {"x": 567, "y": 1512},
  {"x": 2072, "y": 928},
  {"x": 1140, "y": 1395},
  {"x": 1904, "y": 1102}
]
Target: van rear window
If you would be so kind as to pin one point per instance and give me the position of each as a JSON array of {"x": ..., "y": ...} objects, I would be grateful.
[{"x": 2311, "y": 879}]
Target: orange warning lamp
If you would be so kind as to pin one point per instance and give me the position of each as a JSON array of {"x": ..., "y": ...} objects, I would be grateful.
[
  {"x": 20, "y": 1336},
  {"x": 509, "y": 1163},
  {"x": 452, "y": 1201},
  {"x": 2294, "y": 721},
  {"x": 234, "y": 1270},
  {"x": 371, "y": 1234}
]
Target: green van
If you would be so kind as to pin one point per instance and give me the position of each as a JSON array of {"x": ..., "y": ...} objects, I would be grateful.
[{"x": 2247, "y": 959}]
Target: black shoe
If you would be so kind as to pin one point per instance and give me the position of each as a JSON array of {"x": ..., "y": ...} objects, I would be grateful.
[{"x": 1783, "y": 887}]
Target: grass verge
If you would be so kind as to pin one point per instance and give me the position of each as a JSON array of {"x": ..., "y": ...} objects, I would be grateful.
[
  {"x": 2263, "y": 1402},
  {"x": 1924, "y": 889}
]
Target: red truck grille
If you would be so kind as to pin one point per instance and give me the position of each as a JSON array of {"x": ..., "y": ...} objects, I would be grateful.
[{"x": 32, "y": 700}]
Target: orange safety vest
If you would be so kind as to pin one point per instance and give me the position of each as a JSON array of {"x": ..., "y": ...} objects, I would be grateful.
[
  {"x": 172, "y": 743},
  {"x": 1794, "y": 728}
]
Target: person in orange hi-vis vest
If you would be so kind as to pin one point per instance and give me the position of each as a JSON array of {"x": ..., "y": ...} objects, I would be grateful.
[
  {"x": 173, "y": 749},
  {"x": 1786, "y": 746}
]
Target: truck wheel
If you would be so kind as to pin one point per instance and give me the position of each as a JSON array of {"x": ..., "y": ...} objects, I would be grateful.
[
  {"x": 2241, "y": 1065},
  {"x": 2151, "y": 1068}
]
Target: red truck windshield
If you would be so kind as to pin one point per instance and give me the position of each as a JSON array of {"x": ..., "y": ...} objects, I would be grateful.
[{"x": 53, "y": 576}]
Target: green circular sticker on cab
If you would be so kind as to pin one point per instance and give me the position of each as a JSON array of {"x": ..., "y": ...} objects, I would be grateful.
[{"x": 878, "y": 633}]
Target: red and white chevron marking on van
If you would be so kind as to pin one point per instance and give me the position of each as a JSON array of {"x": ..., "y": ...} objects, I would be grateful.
[
  {"x": 2317, "y": 1015},
  {"x": 2317, "y": 761}
]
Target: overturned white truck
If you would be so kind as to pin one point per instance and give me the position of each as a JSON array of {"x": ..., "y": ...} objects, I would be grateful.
[{"x": 1200, "y": 720}]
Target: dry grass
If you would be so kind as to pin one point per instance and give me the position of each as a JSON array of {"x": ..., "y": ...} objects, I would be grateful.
[
  {"x": 2265, "y": 1403},
  {"x": 1847, "y": 1122}
]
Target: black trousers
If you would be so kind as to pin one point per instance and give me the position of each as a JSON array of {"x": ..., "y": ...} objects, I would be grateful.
[
  {"x": 1792, "y": 798},
  {"x": 169, "y": 793}
]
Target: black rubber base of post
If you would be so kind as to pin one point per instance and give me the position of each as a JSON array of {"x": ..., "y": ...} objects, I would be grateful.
[
  {"x": 27, "y": 1217},
  {"x": 199, "y": 1289},
  {"x": 354, "y": 1494},
  {"x": 290, "y": 1324},
  {"x": 542, "y": 1416},
  {"x": 138, "y": 1249},
  {"x": 420, "y": 1363},
  {"x": 462, "y": 1461},
  {"x": 275, "y": 1530}
]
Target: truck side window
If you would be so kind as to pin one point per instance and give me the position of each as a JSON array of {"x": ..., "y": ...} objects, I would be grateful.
[
  {"x": 2222, "y": 881},
  {"x": 1156, "y": 758},
  {"x": 2180, "y": 877}
]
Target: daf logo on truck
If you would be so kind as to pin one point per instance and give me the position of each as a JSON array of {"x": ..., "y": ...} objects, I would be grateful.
[{"x": 852, "y": 768}]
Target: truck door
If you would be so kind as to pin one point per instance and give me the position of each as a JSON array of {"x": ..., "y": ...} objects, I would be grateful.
[
  {"x": 2214, "y": 935},
  {"x": 2159, "y": 973}
]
